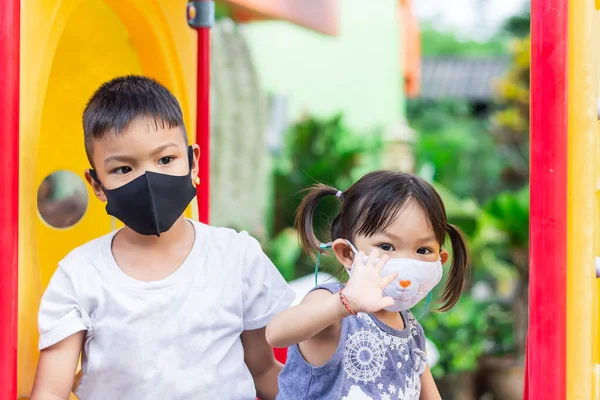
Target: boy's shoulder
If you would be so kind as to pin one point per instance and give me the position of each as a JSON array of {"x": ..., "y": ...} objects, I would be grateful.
[
  {"x": 228, "y": 238},
  {"x": 88, "y": 253}
]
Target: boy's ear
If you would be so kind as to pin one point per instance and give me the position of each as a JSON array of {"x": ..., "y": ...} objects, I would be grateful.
[
  {"x": 95, "y": 186},
  {"x": 444, "y": 256},
  {"x": 343, "y": 253},
  {"x": 195, "y": 168}
]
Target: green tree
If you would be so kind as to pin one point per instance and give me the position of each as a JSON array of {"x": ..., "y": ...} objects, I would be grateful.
[
  {"x": 511, "y": 122},
  {"x": 443, "y": 43},
  {"x": 457, "y": 146},
  {"x": 518, "y": 26},
  {"x": 511, "y": 210}
]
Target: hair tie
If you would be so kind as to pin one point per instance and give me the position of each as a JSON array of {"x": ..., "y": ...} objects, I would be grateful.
[{"x": 339, "y": 194}]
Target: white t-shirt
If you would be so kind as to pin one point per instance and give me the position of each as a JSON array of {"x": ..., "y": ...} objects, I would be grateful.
[{"x": 177, "y": 338}]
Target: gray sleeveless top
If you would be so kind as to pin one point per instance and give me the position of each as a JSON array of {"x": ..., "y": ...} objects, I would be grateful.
[{"x": 372, "y": 361}]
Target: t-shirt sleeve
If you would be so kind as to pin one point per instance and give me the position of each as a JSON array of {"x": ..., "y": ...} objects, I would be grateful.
[
  {"x": 265, "y": 292},
  {"x": 61, "y": 315}
]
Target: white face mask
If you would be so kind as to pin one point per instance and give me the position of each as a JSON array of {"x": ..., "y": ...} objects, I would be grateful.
[{"x": 414, "y": 281}]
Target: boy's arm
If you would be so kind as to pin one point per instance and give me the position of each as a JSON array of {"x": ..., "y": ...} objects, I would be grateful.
[
  {"x": 264, "y": 294},
  {"x": 56, "y": 369},
  {"x": 259, "y": 358}
]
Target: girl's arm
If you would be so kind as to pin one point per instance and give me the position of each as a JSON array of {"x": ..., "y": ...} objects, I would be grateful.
[
  {"x": 56, "y": 369},
  {"x": 318, "y": 311},
  {"x": 429, "y": 390}
]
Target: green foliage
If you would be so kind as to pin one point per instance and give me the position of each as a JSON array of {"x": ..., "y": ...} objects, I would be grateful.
[
  {"x": 316, "y": 150},
  {"x": 460, "y": 335},
  {"x": 518, "y": 25},
  {"x": 509, "y": 212},
  {"x": 458, "y": 146},
  {"x": 284, "y": 251},
  {"x": 510, "y": 124},
  {"x": 462, "y": 212},
  {"x": 439, "y": 43},
  {"x": 221, "y": 11}
]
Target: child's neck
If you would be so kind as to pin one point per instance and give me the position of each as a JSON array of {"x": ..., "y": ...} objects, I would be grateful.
[
  {"x": 152, "y": 258},
  {"x": 391, "y": 319},
  {"x": 177, "y": 234}
]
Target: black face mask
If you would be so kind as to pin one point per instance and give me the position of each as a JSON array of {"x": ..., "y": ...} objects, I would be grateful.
[{"x": 151, "y": 203}]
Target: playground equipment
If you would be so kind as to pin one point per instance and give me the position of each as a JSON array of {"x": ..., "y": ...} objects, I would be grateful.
[
  {"x": 563, "y": 342},
  {"x": 53, "y": 55}
]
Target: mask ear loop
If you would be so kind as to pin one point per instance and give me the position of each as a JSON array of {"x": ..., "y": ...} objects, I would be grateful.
[
  {"x": 426, "y": 306},
  {"x": 322, "y": 247}
]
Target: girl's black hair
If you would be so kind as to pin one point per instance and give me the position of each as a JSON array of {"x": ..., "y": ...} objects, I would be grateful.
[{"x": 372, "y": 204}]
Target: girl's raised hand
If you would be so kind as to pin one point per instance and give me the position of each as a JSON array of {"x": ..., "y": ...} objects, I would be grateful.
[{"x": 364, "y": 290}]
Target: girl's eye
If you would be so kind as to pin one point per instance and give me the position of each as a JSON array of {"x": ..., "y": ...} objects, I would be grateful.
[
  {"x": 165, "y": 160},
  {"x": 424, "y": 250},
  {"x": 121, "y": 170},
  {"x": 386, "y": 247}
]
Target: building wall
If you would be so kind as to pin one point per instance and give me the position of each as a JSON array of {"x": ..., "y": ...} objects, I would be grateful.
[{"x": 357, "y": 73}]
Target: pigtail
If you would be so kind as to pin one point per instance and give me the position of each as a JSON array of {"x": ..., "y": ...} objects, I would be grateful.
[
  {"x": 304, "y": 217},
  {"x": 458, "y": 269}
]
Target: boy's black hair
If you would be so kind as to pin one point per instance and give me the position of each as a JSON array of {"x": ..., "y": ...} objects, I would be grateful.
[
  {"x": 372, "y": 204},
  {"x": 118, "y": 102}
]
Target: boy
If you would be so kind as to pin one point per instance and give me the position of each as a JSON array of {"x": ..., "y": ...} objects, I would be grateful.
[{"x": 165, "y": 308}]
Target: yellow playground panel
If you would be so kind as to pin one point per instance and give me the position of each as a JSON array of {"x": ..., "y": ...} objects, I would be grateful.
[
  {"x": 68, "y": 48},
  {"x": 583, "y": 214}
]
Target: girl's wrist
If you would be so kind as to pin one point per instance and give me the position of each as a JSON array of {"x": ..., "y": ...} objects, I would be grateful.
[
  {"x": 347, "y": 304},
  {"x": 337, "y": 305}
]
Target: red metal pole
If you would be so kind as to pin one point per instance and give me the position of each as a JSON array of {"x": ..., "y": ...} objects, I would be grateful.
[
  {"x": 548, "y": 230},
  {"x": 9, "y": 187},
  {"x": 203, "y": 123},
  {"x": 200, "y": 17}
]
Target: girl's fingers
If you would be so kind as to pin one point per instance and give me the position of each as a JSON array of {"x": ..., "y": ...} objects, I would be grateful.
[
  {"x": 359, "y": 261},
  {"x": 372, "y": 258},
  {"x": 381, "y": 263},
  {"x": 387, "y": 302},
  {"x": 386, "y": 280}
]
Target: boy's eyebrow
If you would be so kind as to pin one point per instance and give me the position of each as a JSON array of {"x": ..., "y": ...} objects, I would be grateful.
[
  {"x": 118, "y": 158},
  {"x": 160, "y": 149},
  {"x": 129, "y": 159}
]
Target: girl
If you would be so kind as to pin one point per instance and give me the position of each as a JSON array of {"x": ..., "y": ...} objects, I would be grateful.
[{"x": 359, "y": 340}]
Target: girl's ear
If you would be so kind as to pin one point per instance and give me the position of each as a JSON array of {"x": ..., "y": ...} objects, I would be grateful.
[
  {"x": 444, "y": 256},
  {"x": 343, "y": 253}
]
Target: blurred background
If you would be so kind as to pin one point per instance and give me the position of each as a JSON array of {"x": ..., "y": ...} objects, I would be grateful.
[{"x": 418, "y": 86}]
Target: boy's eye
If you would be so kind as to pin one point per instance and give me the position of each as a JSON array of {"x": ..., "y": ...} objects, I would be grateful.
[
  {"x": 424, "y": 250},
  {"x": 165, "y": 160},
  {"x": 121, "y": 170},
  {"x": 386, "y": 247}
]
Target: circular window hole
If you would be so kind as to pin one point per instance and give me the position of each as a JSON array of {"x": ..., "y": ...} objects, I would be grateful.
[{"x": 62, "y": 199}]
